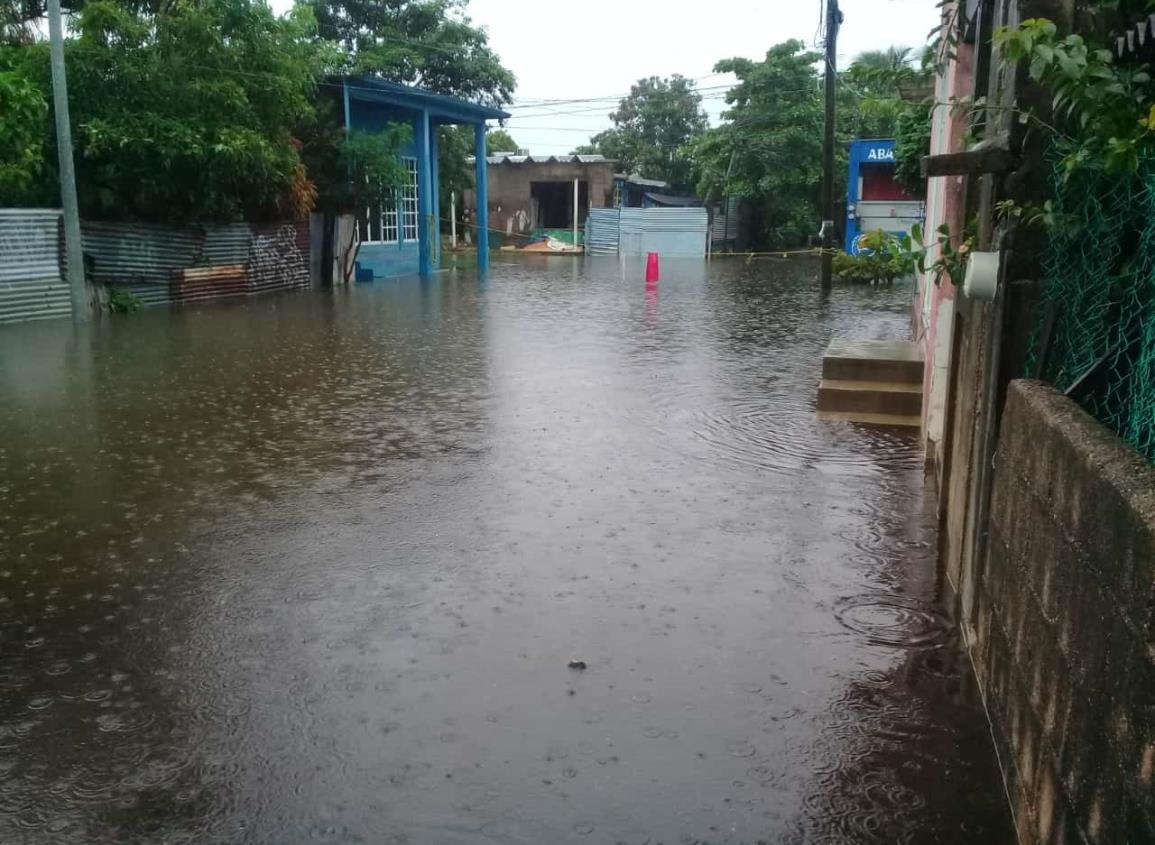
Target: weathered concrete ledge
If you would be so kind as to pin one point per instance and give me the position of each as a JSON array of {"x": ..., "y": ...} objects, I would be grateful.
[{"x": 1065, "y": 651}]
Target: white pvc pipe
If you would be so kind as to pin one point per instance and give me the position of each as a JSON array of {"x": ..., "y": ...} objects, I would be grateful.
[{"x": 453, "y": 218}]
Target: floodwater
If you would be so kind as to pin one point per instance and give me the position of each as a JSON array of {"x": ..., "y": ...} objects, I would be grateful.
[{"x": 312, "y": 568}]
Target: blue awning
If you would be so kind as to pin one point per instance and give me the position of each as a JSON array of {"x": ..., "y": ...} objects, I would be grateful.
[{"x": 441, "y": 107}]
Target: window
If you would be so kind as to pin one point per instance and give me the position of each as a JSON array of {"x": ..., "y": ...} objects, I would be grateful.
[
  {"x": 409, "y": 200},
  {"x": 382, "y": 224},
  {"x": 379, "y": 225}
]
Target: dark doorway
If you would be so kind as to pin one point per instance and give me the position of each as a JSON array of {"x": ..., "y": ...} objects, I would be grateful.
[{"x": 552, "y": 204}]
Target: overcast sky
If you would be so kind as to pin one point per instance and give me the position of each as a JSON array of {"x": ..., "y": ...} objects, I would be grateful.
[{"x": 598, "y": 48}]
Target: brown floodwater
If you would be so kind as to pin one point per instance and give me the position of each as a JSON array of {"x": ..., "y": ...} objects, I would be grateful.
[{"x": 313, "y": 567}]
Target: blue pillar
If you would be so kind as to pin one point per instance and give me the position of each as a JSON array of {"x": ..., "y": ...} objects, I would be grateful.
[
  {"x": 424, "y": 205},
  {"x": 436, "y": 195},
  {"x": 482, "y": 192}
]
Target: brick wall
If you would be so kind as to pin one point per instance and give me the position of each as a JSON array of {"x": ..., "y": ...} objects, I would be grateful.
[{"x": 1064, "y": 647}]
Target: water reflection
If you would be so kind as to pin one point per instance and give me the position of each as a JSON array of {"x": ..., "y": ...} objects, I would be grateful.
[{"x": 313, "y": 567}]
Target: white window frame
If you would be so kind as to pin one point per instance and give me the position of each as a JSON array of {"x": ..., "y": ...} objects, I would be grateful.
[
  {"x": 410, "y": 191},
  {"x": 396, "y": 222}
]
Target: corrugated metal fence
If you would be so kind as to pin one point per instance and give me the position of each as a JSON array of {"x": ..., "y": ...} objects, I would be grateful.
[
  {"x": 154, "y": 262},
  {"x": 602, "y": 231},
  {"x": 157, "y": 264},
  {"x": 31, "y": 284},
  {"x": 670, "y": 232},
  {"x": 727, "y": 221}
]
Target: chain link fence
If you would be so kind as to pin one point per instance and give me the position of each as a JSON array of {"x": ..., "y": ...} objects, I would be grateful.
[{"x": 1096, "y": 332}]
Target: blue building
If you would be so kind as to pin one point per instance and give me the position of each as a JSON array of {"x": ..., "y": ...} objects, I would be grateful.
[
  {"x": 405, "y": 238},
  {"x": 874, "y": 200}
]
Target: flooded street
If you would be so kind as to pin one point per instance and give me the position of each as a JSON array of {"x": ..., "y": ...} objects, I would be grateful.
[{"x": 312, "y": 567}]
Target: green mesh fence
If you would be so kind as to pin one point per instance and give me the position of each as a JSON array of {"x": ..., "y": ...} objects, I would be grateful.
[{"x": 1099, "y": 272}]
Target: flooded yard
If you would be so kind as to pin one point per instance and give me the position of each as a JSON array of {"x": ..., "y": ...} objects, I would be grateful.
[{"x": 313, "y": 567}]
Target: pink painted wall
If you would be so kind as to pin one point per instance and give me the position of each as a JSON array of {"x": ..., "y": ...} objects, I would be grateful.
[{"x": 945, "y": 204}]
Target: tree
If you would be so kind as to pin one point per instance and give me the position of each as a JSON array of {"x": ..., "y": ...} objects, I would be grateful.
[
  {"x": 891, "y": 59},
  {"x": 768, "y": 150},
  {"x": 455, "y": 146},
  {"x": 431, "y": 43},
  {"x": 23, "y": 122},
  {"x": 912, "y": 135},
  {"x": 876, "y": 88},
  {"x": 652, "y": 127},
  {"x": 500, "y": 141},
  {"x": 217, "y": 109},
  {"x": 188, "y": 112}
]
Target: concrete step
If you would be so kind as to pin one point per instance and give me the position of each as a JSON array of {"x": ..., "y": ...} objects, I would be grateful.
[
  {"x": 873, "y": 360},
  {"x": 900, "y": 399},
  {"x": 873, "y": 419}
]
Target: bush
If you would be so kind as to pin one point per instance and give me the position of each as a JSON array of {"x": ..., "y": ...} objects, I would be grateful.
[
  {"x": 884, "y": 258},
  {"x": 123, "y": 302}
]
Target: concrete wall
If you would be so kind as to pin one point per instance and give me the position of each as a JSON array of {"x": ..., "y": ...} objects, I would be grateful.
[
  {"x": 510, "y": 210},
  {"x": 945, "y": 203},
  {"x": 1064, "y": 649}
]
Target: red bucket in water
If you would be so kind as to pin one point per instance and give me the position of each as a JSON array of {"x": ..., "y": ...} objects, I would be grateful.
[{"x": 652, "y": 273}]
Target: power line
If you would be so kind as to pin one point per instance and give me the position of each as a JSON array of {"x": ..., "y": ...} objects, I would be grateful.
[{"x": 546, "y": 102}]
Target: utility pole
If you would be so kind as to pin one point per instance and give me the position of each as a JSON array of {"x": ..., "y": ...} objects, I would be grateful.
[
  {"x": 833, "y": 19},
  {"x": 73, "y": 250}
]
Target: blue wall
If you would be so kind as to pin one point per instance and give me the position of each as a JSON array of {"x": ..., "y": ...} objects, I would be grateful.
[
  {"x": 402, "y": 258},
  {"x": 388, "y": 260}
]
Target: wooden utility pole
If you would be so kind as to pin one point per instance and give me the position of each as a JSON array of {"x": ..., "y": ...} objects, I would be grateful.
[{"x": 833, "y": 19}]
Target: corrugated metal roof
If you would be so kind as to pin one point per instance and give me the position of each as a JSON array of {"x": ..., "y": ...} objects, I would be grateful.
[
  {"x": 506, "y": 158},
  {"x": 640, "y": 182},
  {"x": 666, "y": 200}
]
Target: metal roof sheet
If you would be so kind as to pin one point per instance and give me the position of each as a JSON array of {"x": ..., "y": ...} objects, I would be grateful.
[
  {"x": 644, "y": 183},
  {"x": 507, "y": 158}
]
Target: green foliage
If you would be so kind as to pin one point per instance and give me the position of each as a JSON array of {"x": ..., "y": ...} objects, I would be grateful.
[
  {"x": 23, "y": 122},
  {"x": 499, "y": 141},
  {"x": 652, "y": 126},
  {"x": 455, "y": 173},
  {"x": 215, "y": 109},
  {"x": 875, "y": 90},
  {"x": 946, "y": 257},
  {"x": 942, "y": 49},
  {"x": 186, "y": 113},
  {"x": 1103, "y": 113},
  {"x": 885, "y": 257},
  {"x": 768, "y": 150},
  {"x": 373, "y": 163},
  {"x": 123, "y": 302},
  {"x": 912, "y": 142},
  {"x": 431, "y": 43}
]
